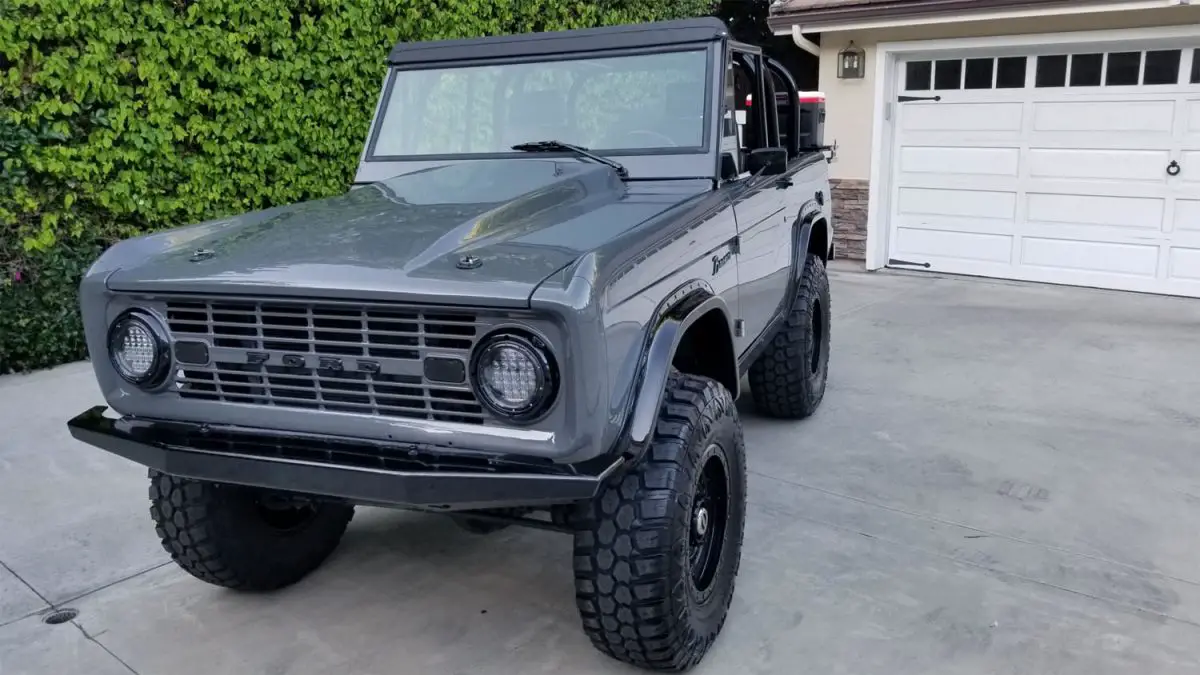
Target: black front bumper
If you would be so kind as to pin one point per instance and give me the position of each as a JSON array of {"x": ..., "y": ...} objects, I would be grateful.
[{"x": 402, "y": 475}]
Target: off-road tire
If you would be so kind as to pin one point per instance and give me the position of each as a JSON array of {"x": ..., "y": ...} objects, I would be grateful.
[
  {"x": 633, "y": 582},
  {"x": 218, "y": 535},
  {"x": 788, "y": 379}
]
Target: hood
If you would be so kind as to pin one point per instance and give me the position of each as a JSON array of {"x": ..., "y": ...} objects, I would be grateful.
[{"x": 473, "y": 232}]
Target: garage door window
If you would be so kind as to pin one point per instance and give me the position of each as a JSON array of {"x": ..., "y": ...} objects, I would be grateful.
[
  {"x": 1086, "y": 70},
  {"x": 947, "y": 75},
  {"x": 1123, "y": 69},
  {"x": 978, "y": 73},
  {"x": 1113, "y": 69},
  {"x": 1162, "y": 67},
  {"x": 1098, "y": 69},
  {"x": 918, "y": 75}
]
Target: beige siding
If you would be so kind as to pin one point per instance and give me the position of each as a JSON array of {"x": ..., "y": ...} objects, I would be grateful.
[{"x": 850, "y": 103}]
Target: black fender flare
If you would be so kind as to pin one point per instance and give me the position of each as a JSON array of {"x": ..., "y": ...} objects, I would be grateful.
[
  {"x": 672, "y": 325},
  {"x": 808, "y": 217}
]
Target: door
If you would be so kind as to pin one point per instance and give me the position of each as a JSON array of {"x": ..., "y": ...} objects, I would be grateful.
[
  {"x": 1078, "y": 166},
  {"x": 759, "y": 203}
]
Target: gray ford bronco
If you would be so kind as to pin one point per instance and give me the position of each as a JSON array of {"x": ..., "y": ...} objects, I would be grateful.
[{"x": 536, "y": 306}]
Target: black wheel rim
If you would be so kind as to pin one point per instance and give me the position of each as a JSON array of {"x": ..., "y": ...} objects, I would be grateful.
[
  {"x": 708, "y": 521},
  {"x": 284, "y": 513},
  {"x": 818, "y": 334}
]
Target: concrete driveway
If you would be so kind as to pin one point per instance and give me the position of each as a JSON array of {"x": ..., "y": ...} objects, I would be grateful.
[{"x": 1004, "y": 478}]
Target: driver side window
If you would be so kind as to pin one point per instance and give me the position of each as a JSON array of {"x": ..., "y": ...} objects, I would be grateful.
[{"x": 745, "y": 126}]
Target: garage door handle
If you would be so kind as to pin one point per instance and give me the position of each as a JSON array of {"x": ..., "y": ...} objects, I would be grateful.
[
  {"x": 894, "y": 261},
  {"x": 908, "y": 99},
  {"x": 1173, "y": 169}
]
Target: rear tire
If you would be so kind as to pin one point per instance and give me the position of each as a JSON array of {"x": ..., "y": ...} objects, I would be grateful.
[
  {"x": 240, "y": 537},
  {"x": 658, "y": 550},
  {"x": 788, "y": 379}
]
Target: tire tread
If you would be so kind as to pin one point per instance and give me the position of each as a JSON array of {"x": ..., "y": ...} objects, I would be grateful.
[
  {"x": 204, "y": 541},
  {"x": 624, "y": 548},
  {"x": 779, "y": 381}
]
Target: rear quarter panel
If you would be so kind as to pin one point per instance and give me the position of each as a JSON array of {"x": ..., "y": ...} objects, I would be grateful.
[{"x": 810, "y": 197}]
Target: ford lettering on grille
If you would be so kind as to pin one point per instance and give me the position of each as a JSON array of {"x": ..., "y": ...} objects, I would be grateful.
[{"x": 326, "y": 356}]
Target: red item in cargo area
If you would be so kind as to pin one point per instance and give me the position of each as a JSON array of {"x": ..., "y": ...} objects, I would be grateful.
[{"x": 803, "y": 97}]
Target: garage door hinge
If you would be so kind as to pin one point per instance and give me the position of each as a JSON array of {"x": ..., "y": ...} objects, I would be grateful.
[
  {"x": 887, "y": 111},
  {"x": 893, "y": 261}
]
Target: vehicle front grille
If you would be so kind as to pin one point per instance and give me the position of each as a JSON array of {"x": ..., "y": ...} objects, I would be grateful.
[{"x": 334, "y": 357}]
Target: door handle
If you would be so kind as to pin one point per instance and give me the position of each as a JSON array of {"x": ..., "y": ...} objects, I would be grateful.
[
  {"x": 783, "y": 183},
  {"x": 909, "y": 99},
  {"x": 1173, "y": 169}
]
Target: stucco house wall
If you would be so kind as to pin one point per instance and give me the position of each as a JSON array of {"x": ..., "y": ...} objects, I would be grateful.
[{"x": 850, "y": 105}]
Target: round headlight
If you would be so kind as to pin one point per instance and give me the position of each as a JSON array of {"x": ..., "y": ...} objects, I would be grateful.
[
  {"x": 137, "y": 350},
  {"x": 515, "y": 377}
]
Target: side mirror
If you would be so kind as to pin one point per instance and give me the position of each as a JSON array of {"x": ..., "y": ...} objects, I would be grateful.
[{"x": 769, "y": 161}]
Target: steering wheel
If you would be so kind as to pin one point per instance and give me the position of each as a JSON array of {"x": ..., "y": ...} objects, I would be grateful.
[{"x": 665, "y": 138}]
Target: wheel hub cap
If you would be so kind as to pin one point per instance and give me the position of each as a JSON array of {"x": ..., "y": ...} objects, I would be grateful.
[{"x": 709, "y": 518}]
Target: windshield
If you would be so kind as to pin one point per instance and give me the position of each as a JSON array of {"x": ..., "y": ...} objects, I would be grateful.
[{"x": 637, "y": 103}]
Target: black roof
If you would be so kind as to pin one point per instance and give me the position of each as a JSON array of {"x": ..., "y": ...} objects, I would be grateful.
[{"x": 658, "y": 33}]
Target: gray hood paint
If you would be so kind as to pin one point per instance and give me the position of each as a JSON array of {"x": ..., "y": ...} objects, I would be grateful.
[{"x": 401, "y": 239}]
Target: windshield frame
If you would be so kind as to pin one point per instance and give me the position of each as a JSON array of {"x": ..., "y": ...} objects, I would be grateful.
[{"x": 658, "y": 162}]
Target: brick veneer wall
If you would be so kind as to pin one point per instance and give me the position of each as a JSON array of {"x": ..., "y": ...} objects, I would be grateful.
[{"x": 850, "y": 217}]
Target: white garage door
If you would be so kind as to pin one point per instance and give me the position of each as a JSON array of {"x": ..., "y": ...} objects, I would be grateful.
[{"x": 1079, "y": 167}]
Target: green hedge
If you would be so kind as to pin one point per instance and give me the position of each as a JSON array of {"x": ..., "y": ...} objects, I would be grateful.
[{"x": 119, "y": 118}]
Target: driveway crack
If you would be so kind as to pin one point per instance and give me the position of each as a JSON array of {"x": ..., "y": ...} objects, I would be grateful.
[
  {"x": 18, "y": 577},
  {"x": 100, "y": 644},
  {"x": 115, "y": 582}
]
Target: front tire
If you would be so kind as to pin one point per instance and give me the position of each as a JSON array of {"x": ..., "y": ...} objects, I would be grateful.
[
  {"x": 658, "y": 550},
  {"x": 240, "y": 537},
  {"x": 788, "y": 379}
]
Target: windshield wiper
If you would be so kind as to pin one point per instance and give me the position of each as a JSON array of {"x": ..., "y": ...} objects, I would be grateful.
[{"x": 556, "y": 146}]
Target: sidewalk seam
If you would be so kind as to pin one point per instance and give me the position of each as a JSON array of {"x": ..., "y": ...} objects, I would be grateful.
[
  {"x": 102, "y": 646},
  {"x": 49, "y": 605}
]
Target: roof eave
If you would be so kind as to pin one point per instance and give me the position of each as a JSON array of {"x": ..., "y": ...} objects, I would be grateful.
[{"x": 885, "y": 15}]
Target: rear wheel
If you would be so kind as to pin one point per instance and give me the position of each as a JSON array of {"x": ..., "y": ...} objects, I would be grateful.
[
  {"x": 788, "y": 380},
  {"x": 240, "y": 537},
  {"x": 657, "y": 552}
]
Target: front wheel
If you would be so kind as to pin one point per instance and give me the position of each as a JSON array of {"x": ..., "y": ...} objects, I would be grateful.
[
  {"x": 788, "y": 380},
  {"x": 658, "y": 550},
  {"x": 241, "y": 537}
]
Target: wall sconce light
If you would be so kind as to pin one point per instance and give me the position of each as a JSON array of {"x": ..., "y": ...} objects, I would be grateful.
[{"x": 852, "y": 63}]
